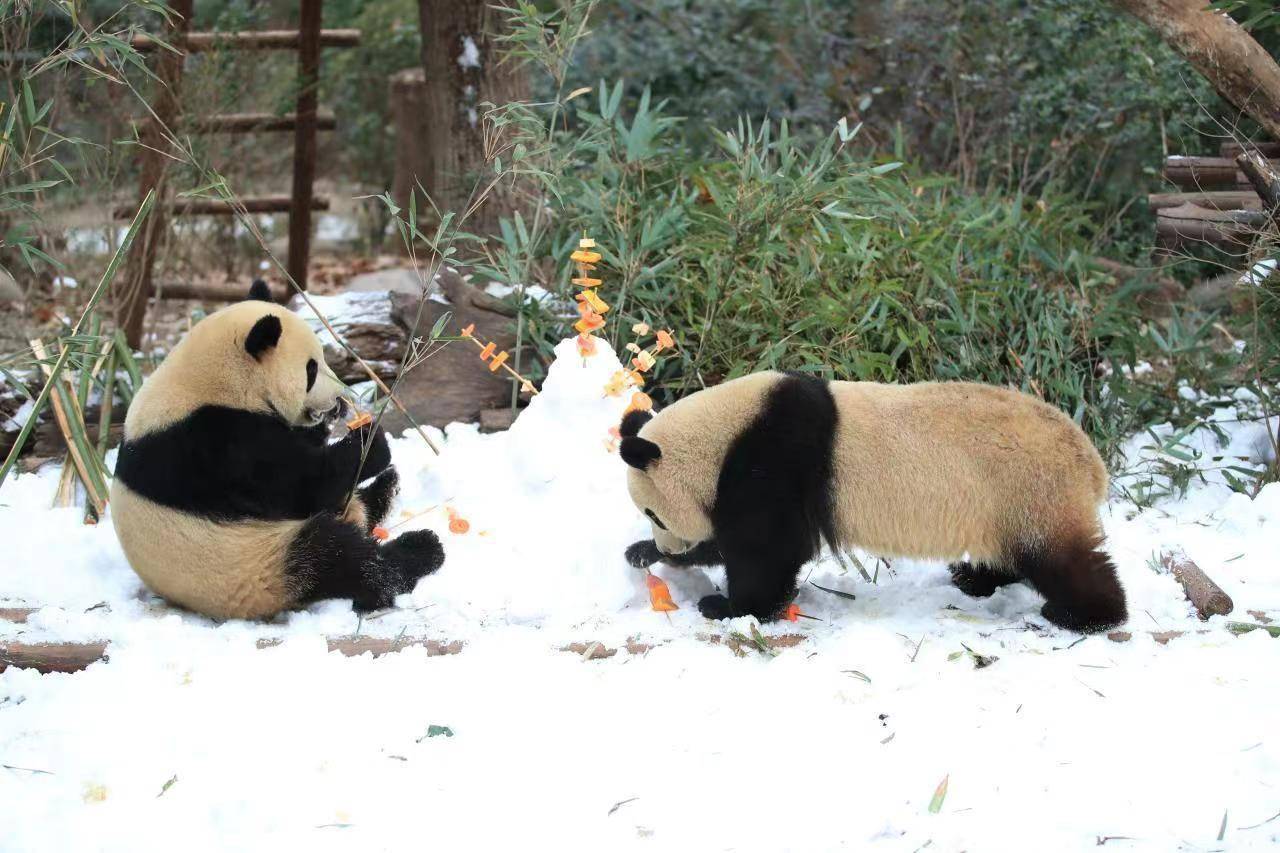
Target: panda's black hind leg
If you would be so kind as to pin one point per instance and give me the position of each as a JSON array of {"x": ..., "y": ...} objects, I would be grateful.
[
  {"x": 332, "y": 558},
  {"x": 980, "y": 580},
  {"x": 1079, "y": 583},
  {"x": 411, "y": 556}
]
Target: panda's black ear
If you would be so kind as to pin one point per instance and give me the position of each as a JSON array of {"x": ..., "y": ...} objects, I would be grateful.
[
  {"x": 264, "y": 335},
  {"x": 639, "y": 452},
  {"x": 260, "y": 291},
  {"x": 632, "y": 422}
]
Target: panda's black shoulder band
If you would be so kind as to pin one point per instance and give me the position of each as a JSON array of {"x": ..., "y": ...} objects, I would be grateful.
[{"x": 632, "y": 422}]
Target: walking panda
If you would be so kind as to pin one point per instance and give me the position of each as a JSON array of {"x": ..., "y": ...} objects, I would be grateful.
[
  {"x": 228, "y": 498},
  {"x": 757, "y": 472}
]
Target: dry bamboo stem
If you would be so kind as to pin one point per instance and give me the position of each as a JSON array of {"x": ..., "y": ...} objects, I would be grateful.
[{"x": 73, "y": 452}]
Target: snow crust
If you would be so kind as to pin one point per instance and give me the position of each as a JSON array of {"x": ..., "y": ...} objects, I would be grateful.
[{"x": 837, "y": 743}]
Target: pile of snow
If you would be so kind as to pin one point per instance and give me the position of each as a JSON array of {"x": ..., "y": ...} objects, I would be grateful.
[{"x": 839, "y": 742}]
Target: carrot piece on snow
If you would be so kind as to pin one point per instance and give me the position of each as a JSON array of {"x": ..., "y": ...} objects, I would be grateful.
[
  {"x": 457, "y": 524},
  {"x": 792, "y": 613},
  {"x": 380, "y": 533},
  {"x": 659, "y": 594}
]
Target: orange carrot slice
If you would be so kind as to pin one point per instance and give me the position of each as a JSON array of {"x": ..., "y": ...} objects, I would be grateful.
[
  {"x": 659, "y": 594},
  {"x": 362, "y": 419},
  {"x": 380, "y": 533}
]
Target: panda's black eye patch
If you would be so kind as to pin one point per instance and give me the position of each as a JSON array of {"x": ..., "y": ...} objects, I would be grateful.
[
  {"x": 312, "y": 370},
  {"x": 653, "y": 516}
]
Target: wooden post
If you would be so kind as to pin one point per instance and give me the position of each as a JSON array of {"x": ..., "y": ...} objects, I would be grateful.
[
  {"x": 1265, "y": 181},
  {"x": 304, "y": 142},
  {"x": 131, "y": 291}
]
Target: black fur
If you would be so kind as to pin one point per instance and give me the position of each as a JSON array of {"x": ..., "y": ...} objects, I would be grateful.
[
  {"x": 639, "y": 452},
  {"x": 1078, "y": 581},
  {"x": 633, "y": 421},
  {"x": 259, "y": 291},
  {"x": 774, "y": 502},
  {"x": 333, "y": 559},
  {"x": 264, "y": 335},
  {"x": 645, "y": 553},
  {"x": 377, "y": 497},
  {"x": 229, "y": 464},
  {"x": 981, "y": 580}
]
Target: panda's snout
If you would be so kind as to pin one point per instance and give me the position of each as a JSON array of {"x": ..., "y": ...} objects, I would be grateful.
[{"x": 329, "y": 415}]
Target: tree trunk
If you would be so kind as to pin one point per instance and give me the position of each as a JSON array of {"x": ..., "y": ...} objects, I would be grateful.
[
  {"x": 1221, "y": 50},
  {"x": 460, "y": 61}
]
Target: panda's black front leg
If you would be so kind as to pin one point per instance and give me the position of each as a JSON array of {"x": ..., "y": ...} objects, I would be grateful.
[
  {"x": 645, "y": 553},
  {"x": 757, "y": 586},
  {"x": 377, "y": 497}
]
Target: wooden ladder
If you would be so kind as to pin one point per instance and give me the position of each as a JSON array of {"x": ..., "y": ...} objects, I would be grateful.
[{"x": 306, "y": 119}]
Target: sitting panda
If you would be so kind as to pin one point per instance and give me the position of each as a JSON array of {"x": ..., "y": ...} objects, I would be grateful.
[
  {"x": 755, "y": 473},
  {"x": 228, "y": 498}
]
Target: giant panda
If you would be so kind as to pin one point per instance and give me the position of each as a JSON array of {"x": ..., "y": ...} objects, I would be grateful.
[
  {"x": 228, "y": 498},
  {"x": 757, "y": 472}
]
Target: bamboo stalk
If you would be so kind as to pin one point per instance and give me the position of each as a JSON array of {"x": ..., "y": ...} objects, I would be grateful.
[
  {"x": 60, "y": 406},
  {"x": 107, "y": 275}
]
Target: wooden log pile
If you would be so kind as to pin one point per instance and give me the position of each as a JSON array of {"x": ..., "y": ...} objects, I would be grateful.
[{"x": 1217, "y": 203}]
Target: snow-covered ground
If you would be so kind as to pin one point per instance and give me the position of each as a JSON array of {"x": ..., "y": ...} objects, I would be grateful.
[{"x": 190, "y": 736}]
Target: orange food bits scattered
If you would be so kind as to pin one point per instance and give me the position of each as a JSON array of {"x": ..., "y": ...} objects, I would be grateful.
[
  {"x": 792, "y": 613},
  {"x": 665, "y": 341},
  {"x": 380, "y": 533},
  {"x": 586, "y": 345},
  {"x": 468, "y": 329},
  {"x": 487, "y": 352},
  {"x": 640, "y": 402},
  {"x": 497, "y": 362},
  {"x": 457, "y": 524},
  {"x": 659, "y": 594},
  {"x": 360, "y": 420}
]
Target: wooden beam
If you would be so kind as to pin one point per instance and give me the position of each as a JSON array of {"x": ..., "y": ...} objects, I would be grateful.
[
  {"x": 304, "y": 142},
  {"x": 1224, "y": 200},
  {"x": 253, "y": 40},
  {"x": 75, "y": 657},
  {"x": 258, "y": 122},
  {"x": 214, "y": 207},
  {"x": 1189, "y": 223},
  {"x": 1204, "y": 173},
  {"x": 1232, "y": 150},
  {"x": 211, "y": 292}
]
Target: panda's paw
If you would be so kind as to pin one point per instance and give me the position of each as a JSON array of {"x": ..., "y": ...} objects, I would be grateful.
[
  {"x": 413, "y": 555},
  {"x": 715, "y": 607},
  {"x": 643, "y": 554}
]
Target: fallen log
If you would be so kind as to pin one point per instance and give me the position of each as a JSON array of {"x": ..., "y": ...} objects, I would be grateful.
[
  {"x": 1204, "y": 173},
  {"x": 16, "y": 614},
  {"x": 1232, "y": 150},
  {"x": 210, "y": 292},
  {"x": 1206, "y": 596}
]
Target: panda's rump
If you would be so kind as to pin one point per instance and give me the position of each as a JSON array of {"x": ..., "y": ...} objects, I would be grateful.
[
  {"x": 951, "y": 469},
  {"x": 228, "y": 570}
]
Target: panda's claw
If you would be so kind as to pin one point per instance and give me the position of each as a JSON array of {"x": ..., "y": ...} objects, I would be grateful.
[
  {"x": 715, "y": 607},
  {"x": 643, "y": 554}
]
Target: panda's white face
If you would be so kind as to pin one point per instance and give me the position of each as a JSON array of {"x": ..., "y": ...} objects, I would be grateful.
[
  {"x": 292, "y": 376},
  {"x": 677, "y": 521}
]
